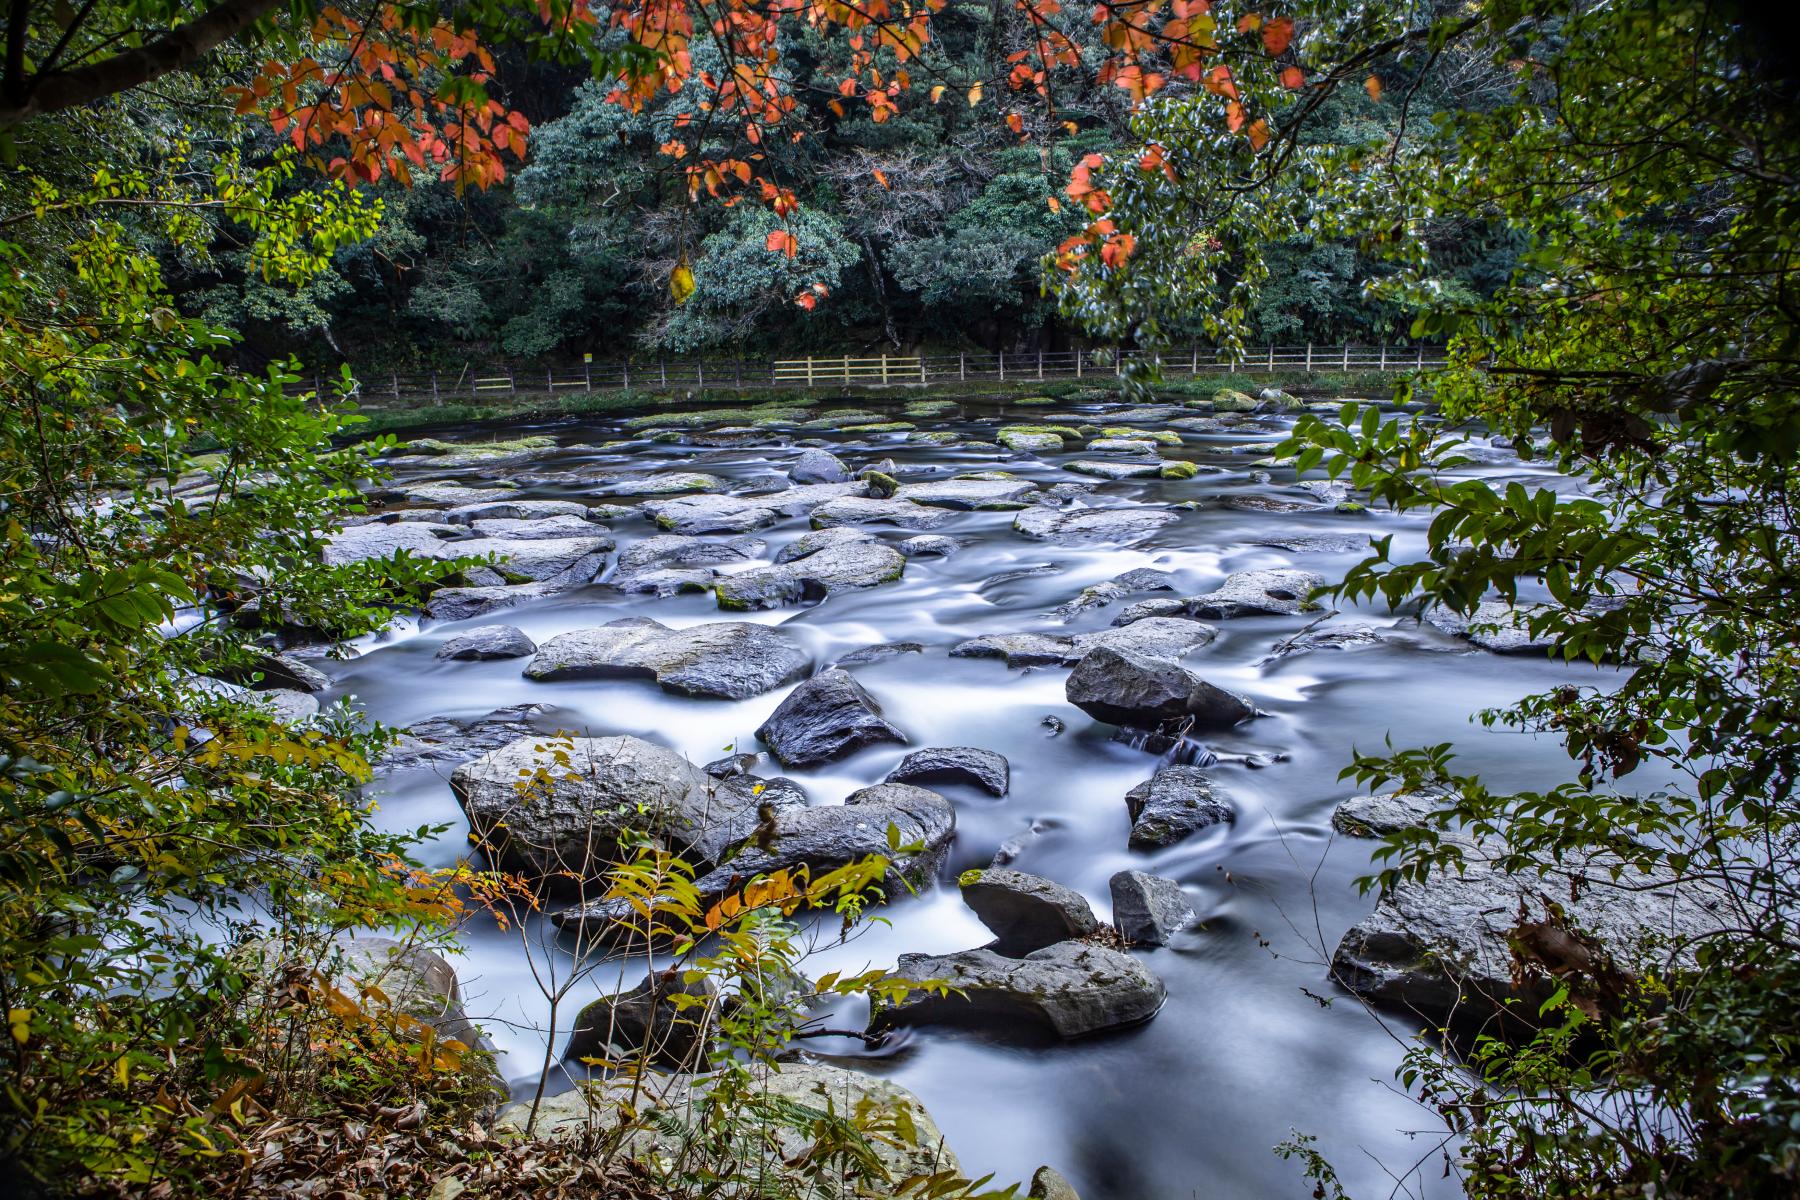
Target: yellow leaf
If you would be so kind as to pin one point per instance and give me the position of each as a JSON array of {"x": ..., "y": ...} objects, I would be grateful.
[
  {"x": 19, "y": 1021},
  {"x": 975, "y": 95},
  {"x": 122, "y": 1071},
  {"x": 681, "y": 281},
  {"x": 937, "y": 93}
]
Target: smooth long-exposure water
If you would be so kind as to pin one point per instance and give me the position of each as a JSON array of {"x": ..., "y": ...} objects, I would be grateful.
[{"x": 1254, "y": 1041}]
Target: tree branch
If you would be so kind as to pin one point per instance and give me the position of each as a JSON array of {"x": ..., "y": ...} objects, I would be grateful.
[{"x": 180, "y": 47}]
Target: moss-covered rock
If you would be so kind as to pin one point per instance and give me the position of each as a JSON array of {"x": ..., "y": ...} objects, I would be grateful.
[
  {"x": 1178, "y": 469},
  {"x": 881, "y": 485},
  {"x": 929, "y": 408},
  {"x": 880, "y": 427},
  {"x": 1229, "y": 400},
  {"x": 1166, "y": 437}
]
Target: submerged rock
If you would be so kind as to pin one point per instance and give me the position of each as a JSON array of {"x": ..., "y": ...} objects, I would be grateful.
[
  {"x": 984, "y": 769},
  {"x": 1121, "y": 687},
  {"x": 1148, "y": 909},
  {"x": 728, "y": 659},
  {"x": 827, "y": 717},
  {"x": 1026, "y": 912},
  {"x": 1071, "y": 989},
  {"x": 1173, "y": 804},
  {"x": 489, "y": 642}
]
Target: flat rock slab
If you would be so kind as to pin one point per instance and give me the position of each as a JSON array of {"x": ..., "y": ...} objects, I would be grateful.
[
  {"x": 1175, "y": 803},
  {"x": 1278, "y": 592},
  {"x": 902, "y": 514},
  {"x": 1114, "y": 445},
  {"x": 488, "y": 642},
  {"x": 827, "y": 717},
  {"x": 726, "y": 659},
  {"x": 1158, "y": 637},
  {"x": 452, "y": 495},
  {"x": 459, "y": 604},
  {"x": 516, "y": 510},
  {"x": 1109, "y": 469},
  {"x": 878, "y": 652},
  {"x": 533, "y": 561},
  {"x": 1029, "y": 442},
  {"x": 1026, "y": 912},
  {"x": 672, "y": 550},
  {"x": 842, "y": 566},
  {"x": 533, "y": 528},
  {"x": 662, "y": 483},
  {"x": 980, "y": 768},
  {"x": 1311, "y": 543},
  {"x": 1093, "y": 524},
  {"x": 740, "y": 514},
  {"x": 362, "y": 543},
  {"x": 970, "y": 493},
  {"x": 1148, "y": 909},
  {"x": 1072, "y": 989}
]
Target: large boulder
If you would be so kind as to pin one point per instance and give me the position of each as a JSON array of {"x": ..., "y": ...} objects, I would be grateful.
[
  {"x": 1176, "y": 802},
  {"x": 843, "y": 566},
  {"x": 650, "y": 1023},
  {"x": 568, "y": 804},
  {"x": 1071, "y": 989},
  {"x": 1148, "y": 909},
  {"x": 1121, "y": 687},
  {"x": 1443, "y": 947},
  {"x": 669, "y": 1106},
  {"x": 488, "y": 642},
  {"x": 414, "y": 980},
  {"x": 827, "y": 717},
  {"x": 827, "y": 837},
  {"x": 1093, "y": 524},
  {"x": 1026, "y": 912},
  {"x": 984, "y": 769},
  {"x": 818, "y": 466},
  {"x": 728, "y": 659}
]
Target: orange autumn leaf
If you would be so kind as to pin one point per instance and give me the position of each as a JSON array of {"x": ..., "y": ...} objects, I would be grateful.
[
  {"x": 1372, "y": 85},
  {"x": 780, "y": 241},
  {"x": 1293, "y": 78},
  {"x": 1277, "y": 34},
  {"x": 1016, "y": 123},
  {"x": 1258, "y": 134}
]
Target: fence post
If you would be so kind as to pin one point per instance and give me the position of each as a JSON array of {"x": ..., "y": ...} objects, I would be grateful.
[
  {"x": 1002, "y": 358},
  {"x": 962, "y": 367},
  {"x": 434, "y": 391},
  {"x": 1384, "y": 356},
  {"x": 737, "y": 373},
  {"x": 1079, "y": 355},
  {"x": 884, "y": 377},
  {"x": 922, "y": 378},
  {"x": 1346, "y": 356},
  {"x": 700, "y": 374},
  {"x": 587, "y": 372},
  {"x": 627, "y": 371},
  {"x": 1421, "y": 356},
  {"x": 1309, "y": 358},
  {"x": 809, "y": 371},
  {"x": 550, "y": 380},
  {"x": 512, "y": 381},
  {"x": 1040, "y": 366},
  {"x": 662, "y": 365}
]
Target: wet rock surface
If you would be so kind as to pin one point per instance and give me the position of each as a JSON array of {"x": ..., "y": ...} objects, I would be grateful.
[
  {"x": 970, "y": 765},
  {"x": 727, "y": 659},
  {"x": 1121, "y": 687},
  {"x": 827, "y": 717},
  {"x": 1026, "y": 912},
  {"x": 1148, "y": 910},
  {"x": 487, "y": 642},
  {"x": 1176, "y": 802},
  {"x": 1071, "y": 990}
]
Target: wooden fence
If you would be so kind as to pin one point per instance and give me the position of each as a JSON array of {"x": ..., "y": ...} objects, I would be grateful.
[{"x": 496, "y": 381}]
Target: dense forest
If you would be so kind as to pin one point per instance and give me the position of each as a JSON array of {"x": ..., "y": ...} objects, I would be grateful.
[{"x": 1152, "y": 783}]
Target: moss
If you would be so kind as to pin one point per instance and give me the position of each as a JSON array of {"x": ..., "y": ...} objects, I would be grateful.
[
  {"x": 880, "y": 427},
  {"x": 1179, "y": 470},
  {"x": 933, "y": 439},
  {"x": 1350, "y": 506},
  {"x": 668, "y": 436},
  {"x": 881, "y": 486},
  {"x": 1035, "y": 401},
  {"x": 929, "y": 408},
  {"x": 1163, "y": 436},
  {"x": 1067, "y": 432},
  {"x": 1229, "y": 400}
]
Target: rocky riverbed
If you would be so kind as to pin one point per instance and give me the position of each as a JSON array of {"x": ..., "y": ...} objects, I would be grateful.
[{"x": 1065, "y": 648}]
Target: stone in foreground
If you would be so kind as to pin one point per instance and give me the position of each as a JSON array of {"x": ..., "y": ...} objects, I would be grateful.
[
  {"x": 648, "y": 1022},
  {"x": 1173, "y": 804},
  {"x": 731, "y": 660},
  {"x": 827, "y": 717},
  {"x": 1148, "y": 909},
  {"x": 1072, "y": 989},
  {"x": 984, "y": 769},
  {"x": 488, "y": 642},
  {"x": 1026, "y": 912}
]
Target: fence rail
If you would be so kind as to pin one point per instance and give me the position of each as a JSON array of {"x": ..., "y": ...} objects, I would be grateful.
[{"x": 488, "y": 381}]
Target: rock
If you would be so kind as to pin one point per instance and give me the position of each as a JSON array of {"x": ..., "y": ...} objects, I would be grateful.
[
  {"x": 1145, "y": 579},
  {"x": 929, "y": 544},
  {"x": 517, "y": 510},
  {"x": 732, "y": 660},
  {"x": 459, "y": 604},
  {"x": 452, "y": 495},
  {"x": 818, "y": 466},
  {"x": 1125, "y": 688},
  {"x": 648, "y": 1024},
  {"x": 1352, "y": 636},
  {"x": 984, "y": 769},
  {"x": 667, "y": 581},
  {"x": 710, "y": 514},
  {"x": 416, "y": 981},
  {"x": 1054, "y": 725},
  {"x": 1378, "y": 816},
  {"x": 1311, "y": 543},
  {"x": 827, "y": 717},
  {"x": 970, "y": 493},
  {"x": 1071, "y": 989},
  {"x": 823, "y": 539},
  {"x": 1169, "y": 638},
  {"x": 439, "y": 741},
  {"x": 1326, "y": 491},
  {"x": 567, "y": 804},
  {"x": 1148, "y": 909},
  {"x": 1279, "y": 592},
  {"x": 285, "y": 704},
  {"x": 1494, "y": 625},
  {"x": 362, "y": 543},
  {"x": 1180, "y": 469},
  {"x": 277, "y": 671},
  {"x": 1441, "y": 947},
  {"x": 1173, "y": 804},
  {"x": 668, "y": 1105},
  {"x": 904, "y": 514},
  {"x": 830, "y": 836},
  {"x": 1017, "y": 649},
  {"x": 1093, "y": 524},
  {"x": 846, "y": 564},
  {"x": 1098, "y": 596},
  {"x": 1048, "y": 1184},
  {"x": 531, "y": 561},
  {"x": 662, "y": 483},
  {"x": 1111, "y": 469},
  {"x": 1026, "y": 443},
  {"x": 534, "y": 529},
  {"x": 1122, "y": 445},
  {"x": 1026, "y": 912},
  {"x": 487, "y": 642},
  {"x": 666, "y": 550},
  {"x": 877, "y": 652},
  {"x": 881, "y": 484},
  {"x": 1268, "y": 504}
]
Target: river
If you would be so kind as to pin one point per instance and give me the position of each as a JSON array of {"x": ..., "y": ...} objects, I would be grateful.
[{"x": 1253, "y": 1041}]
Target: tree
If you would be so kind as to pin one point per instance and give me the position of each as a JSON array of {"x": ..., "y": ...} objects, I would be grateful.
[{"x": 1643, "y": 158}]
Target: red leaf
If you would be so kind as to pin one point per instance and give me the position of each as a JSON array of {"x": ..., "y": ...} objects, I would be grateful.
[{"x": 1277, "y": 34}]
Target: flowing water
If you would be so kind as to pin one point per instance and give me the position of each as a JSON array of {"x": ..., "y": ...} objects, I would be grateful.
[{"x": 1253, "y": 1041}]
